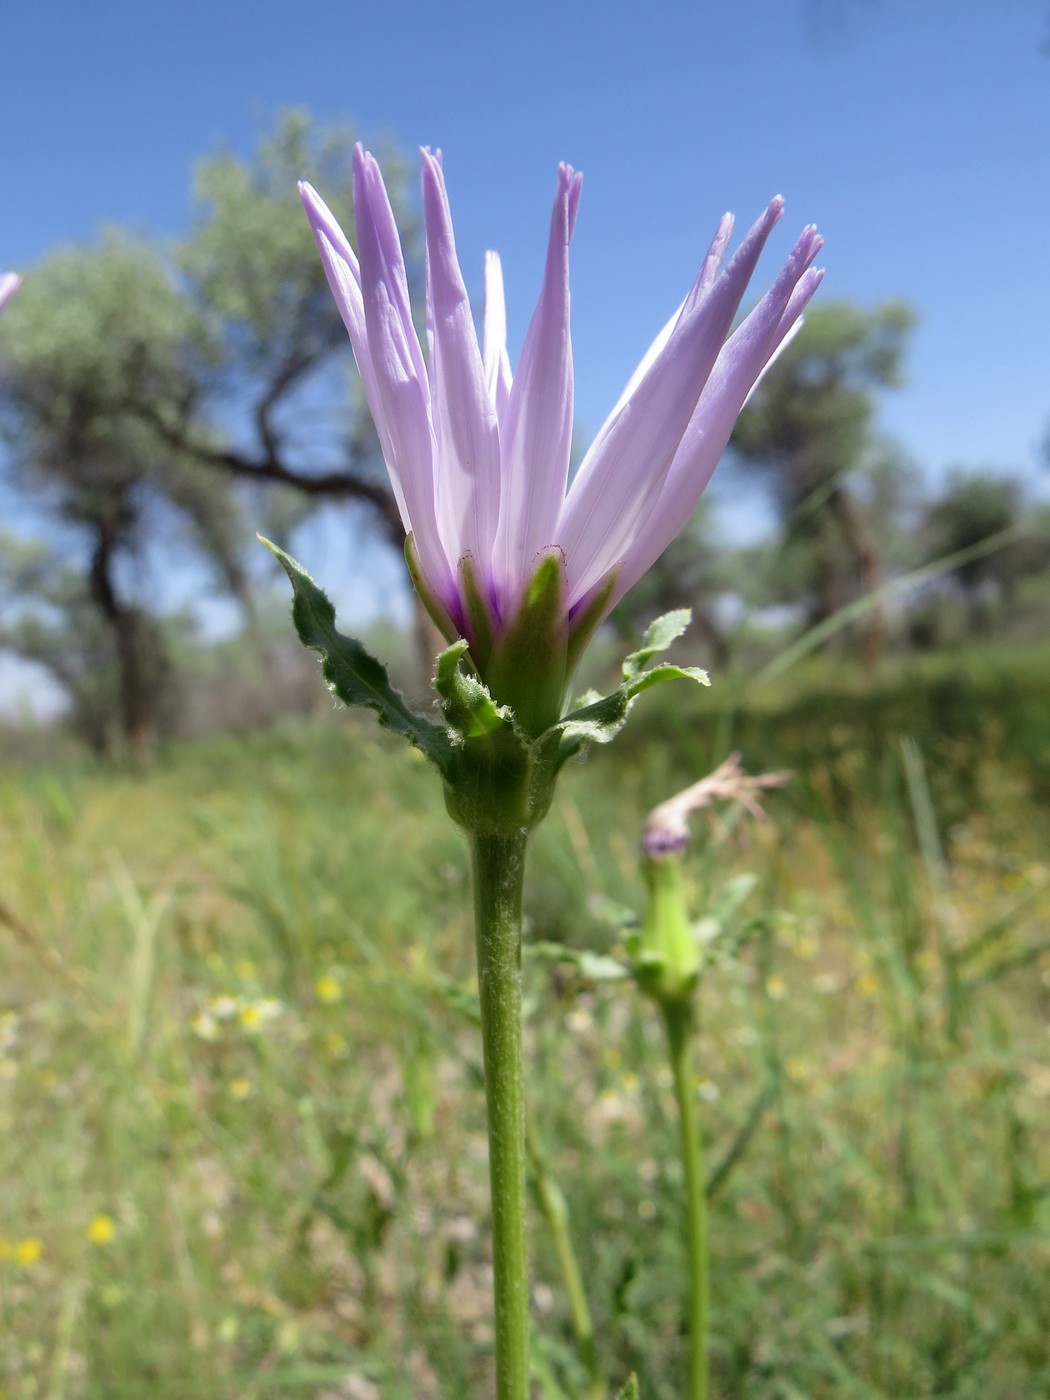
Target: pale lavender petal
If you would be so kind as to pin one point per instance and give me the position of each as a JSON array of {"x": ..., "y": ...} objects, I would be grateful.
[
  {"x": 416, "y": 507},
  {"x": 467, "y": 436},
  {"x": 398, "y": 371},
  {"x": 9, "y": 284},
  {"x": 708, "y": 273},
  {"x": 782, "y": 344},
  {"x": 620, "y": 479},
  {"x": 746, "y": 356},
  {"x": 716, "y": 253},
  {"x": 536, "y": 435},
  {"x": 344, "y": 279},
  {"x": 498, "y": 377}
]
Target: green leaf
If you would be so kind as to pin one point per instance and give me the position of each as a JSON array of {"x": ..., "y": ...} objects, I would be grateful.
[
  {"x": 588, "y": 697},
  {"x": 630, "y": 1390},
  {"x": 708, "y": 930},
  {"x": 353, "y": 675},
  {"x": 465, "y": 702},
  {"x": 608, "y": 911},
  {"x": 593, "y": 967},
  {"x": 732, "y": 895},
  {"x": 658, "y": 637},
  {"x": 666, "y": 671},
  {"x": 600, "y": 722},
  {"x": 718, "y": 934},
  {"x": 596, "y": 967},
  {"x": 598, "y": 719}
]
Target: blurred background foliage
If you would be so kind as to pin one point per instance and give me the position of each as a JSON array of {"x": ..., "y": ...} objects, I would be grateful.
[{"x": 240, "y": 1125}]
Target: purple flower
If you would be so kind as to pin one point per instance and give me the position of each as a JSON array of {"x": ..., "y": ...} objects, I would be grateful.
[
  {"x": 479, "y": 459},
  {"x": 9, "y": 284}
]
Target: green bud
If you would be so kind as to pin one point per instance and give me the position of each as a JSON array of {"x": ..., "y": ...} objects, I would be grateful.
[{"x": 667, "y": 955}]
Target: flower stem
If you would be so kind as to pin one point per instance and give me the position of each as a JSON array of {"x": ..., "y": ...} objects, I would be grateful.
[
  {"x": 678, "y": 1018},
  {"x": 555, "y": 1212},
  {"x": 499, "y": 875}
]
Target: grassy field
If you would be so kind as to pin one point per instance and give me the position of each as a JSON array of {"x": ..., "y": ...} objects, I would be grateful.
[{"x": 240, "y": 1122}]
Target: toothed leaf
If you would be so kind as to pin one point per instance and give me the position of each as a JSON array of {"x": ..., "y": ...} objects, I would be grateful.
[
  {"x": 601, "y": 721},
  {"x": 353, "y": 675},
  {"x": 658, "y": 637}
]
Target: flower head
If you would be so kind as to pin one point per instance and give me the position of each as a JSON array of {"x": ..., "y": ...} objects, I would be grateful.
[
  {"x": 505, "y": 550},
  {"x": 9, "y": 284}
]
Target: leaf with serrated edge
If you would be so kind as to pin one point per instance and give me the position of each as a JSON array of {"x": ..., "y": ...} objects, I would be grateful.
[
  {"x": 667, "y": 671},
  {"x": 658, "y": 637},
  {"x": 602, "y": 721},
  {"x": 353, "y": 675}
]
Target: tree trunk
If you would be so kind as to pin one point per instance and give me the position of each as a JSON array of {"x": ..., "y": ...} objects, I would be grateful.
[
  {"x": 137, "y": 726},
  {"x": 869, "y": 573}
]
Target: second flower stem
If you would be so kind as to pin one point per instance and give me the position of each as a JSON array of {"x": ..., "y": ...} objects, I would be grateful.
[
  {"x": 555, "y": 1212},
  {"x": 679, "y": 1020},
  {"x": 499, "y": 876}
]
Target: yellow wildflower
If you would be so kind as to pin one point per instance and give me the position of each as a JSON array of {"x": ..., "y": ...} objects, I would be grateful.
[
  {"x": 867, "y": 985},
  {"x": 328, "y": 989},
  {"x": 27, "y": 1252},
  {"x": 249, "y": 1017},
  {"x": 101, "y": 1228}
]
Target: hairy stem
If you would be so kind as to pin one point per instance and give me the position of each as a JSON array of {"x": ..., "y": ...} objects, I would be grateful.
[
  {"x": 678, "y": 1018},
  {"x": 499, "y": 874}
]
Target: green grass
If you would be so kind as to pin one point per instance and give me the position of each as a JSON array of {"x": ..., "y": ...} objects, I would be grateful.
[{"x": 235, "y": 1022}]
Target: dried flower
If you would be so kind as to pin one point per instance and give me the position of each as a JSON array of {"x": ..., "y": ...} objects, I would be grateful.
[{"x": 667, "y": 826}]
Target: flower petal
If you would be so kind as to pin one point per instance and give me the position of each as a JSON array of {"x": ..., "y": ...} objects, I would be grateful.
[
  {"x": 467, "y": 438},
  {"x": 498, "y": 377},
  {"x": 621, "y": 476},
  {"x": 398, "y": 370},
  {"x": 536, "y": 433},
  {"x": 343, "y": 272},
  {"x": 745, "y": 357},
  {"x": 710, "y": 270}
]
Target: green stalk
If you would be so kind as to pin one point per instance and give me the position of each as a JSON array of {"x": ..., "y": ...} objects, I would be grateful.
[
  {"x": 555, "y": 1212},
  {"x": 499, "y": 876},
  {"x": 678, "y": 1018}
]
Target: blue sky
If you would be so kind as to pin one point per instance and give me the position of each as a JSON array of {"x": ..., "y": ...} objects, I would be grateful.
[{"x": 917, "y": 136}]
